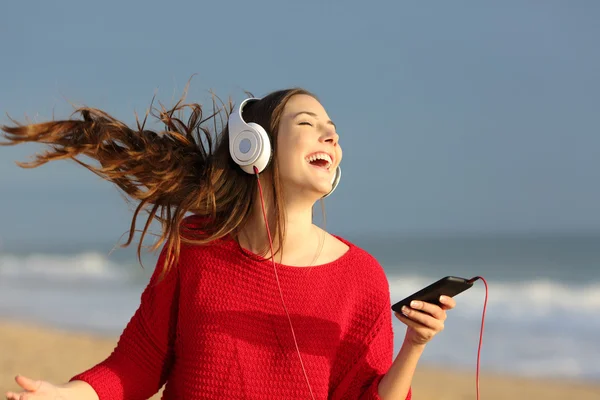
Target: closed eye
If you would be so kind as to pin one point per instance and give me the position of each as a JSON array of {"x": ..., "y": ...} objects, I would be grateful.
[{"x": 305, "y": 123}]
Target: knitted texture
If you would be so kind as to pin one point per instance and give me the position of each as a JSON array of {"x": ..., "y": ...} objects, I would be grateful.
[{"x": 215, "y": 328}]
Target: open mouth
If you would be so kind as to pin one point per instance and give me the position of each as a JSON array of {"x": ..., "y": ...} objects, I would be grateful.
[{"x": 320, "y": 160}]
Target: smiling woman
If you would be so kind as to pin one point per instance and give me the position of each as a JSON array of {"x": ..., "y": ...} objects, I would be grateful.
[{"x": 218, "y": 319}]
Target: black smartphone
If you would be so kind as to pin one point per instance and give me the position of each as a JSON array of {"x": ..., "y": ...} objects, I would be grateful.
[{"x": 449, "y": 286}]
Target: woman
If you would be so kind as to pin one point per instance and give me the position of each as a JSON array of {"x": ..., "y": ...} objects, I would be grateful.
[{"x": 232, "y": 311}]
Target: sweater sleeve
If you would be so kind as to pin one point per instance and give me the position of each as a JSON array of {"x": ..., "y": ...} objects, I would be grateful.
[
  {"x": 139, "y": 365},
  {"x": 362, "y": 380}
]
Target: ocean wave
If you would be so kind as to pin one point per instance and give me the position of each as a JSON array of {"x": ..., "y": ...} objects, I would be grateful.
[
  {"x": 89, "y": 265},
  {"x": 541, "y": 297},
  {"x": 538, "y": 327},
  {"x": 518, "y": 299}
]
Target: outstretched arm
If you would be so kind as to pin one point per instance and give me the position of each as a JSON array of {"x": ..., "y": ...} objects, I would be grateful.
[{"x": 139, "y": 365}]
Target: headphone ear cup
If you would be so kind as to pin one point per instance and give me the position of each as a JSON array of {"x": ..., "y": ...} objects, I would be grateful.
[
  {"x": 251, "y": 148},
  {"x": 263, "y": 156},
  {"x": 335, "y": 181}
]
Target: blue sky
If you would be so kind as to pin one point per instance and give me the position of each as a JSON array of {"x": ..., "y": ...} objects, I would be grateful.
[{"x": 453, "y": 116}]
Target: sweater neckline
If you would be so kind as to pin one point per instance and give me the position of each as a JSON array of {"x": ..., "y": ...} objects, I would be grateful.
[{"x": 253, "y": 257}]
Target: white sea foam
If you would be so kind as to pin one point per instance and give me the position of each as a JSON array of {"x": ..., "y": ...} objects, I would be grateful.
[
  {"x": 515, "y": 299},
  {"x": 90, "y": 265}
]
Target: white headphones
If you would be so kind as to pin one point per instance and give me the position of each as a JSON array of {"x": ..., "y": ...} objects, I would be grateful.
[{"x": 250, "y": 147}]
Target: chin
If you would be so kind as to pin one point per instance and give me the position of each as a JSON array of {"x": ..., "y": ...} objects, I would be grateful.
[
  {"x": 311, "y": 193},
  {"x": 314, "y": 189},
  {"x": 321, "y": 191}
]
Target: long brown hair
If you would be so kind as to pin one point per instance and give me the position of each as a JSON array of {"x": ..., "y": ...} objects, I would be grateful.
[{"x": 186, "y": 168}]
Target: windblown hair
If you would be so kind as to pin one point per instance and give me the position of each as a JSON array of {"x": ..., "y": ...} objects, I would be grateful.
[{"x": 186, "y": 168}]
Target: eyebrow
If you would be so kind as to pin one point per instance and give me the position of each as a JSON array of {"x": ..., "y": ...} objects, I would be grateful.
[{"x": 312, "y": 114}]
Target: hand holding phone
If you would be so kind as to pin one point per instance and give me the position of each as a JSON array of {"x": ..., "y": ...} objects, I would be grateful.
[
  {"x": 448, "y": 286},
  {"x": 426, "y": 320}
]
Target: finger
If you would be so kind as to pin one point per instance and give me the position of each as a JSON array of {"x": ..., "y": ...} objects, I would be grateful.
[
  {"x": 448, "y": 303},
  {"x": 409, "y": 322},
  {"x": 423, "y": 331},
  {"x": 424, "y": 319},
  {"x": 431, "y": 309},
  {"x": 27, "y": 383}
]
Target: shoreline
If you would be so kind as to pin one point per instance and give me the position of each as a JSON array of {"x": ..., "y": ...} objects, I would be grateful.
[{"x": 54, "y": 354}]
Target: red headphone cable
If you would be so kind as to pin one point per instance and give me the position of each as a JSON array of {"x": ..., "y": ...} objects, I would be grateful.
[
  {"x": 277, "y": 279},
  {"x": 481, "y": 330}
]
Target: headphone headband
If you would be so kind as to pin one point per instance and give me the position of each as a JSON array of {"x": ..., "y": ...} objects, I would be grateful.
[{"x": 236, "y": 121}]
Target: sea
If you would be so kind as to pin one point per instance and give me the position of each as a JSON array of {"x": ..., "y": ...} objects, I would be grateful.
[{"x": 542, "y": 317}]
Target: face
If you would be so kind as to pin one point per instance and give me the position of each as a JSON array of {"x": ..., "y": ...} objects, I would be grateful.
[{"x": 308, "y": 149}]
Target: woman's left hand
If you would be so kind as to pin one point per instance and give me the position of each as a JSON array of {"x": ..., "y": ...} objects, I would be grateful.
[{"x": 425, "y": 320}]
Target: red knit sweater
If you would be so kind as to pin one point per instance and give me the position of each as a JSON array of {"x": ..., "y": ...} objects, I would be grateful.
[{"x": 215, "y": 328}]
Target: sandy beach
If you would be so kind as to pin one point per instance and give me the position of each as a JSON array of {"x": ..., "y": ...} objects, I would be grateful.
[{"x": 55, "y": 355}]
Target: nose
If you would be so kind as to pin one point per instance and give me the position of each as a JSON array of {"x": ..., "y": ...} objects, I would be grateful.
[{"x": 330, "y": 136}]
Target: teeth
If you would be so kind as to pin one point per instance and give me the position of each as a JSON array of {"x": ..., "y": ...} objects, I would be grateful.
[{"x": 320, "y": 156}]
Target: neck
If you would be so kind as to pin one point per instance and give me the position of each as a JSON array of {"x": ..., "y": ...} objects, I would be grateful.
[{"x": 301, "y": 239}]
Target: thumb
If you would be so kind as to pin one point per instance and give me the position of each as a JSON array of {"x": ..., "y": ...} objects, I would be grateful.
[{"x": 27, "y": 383}]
